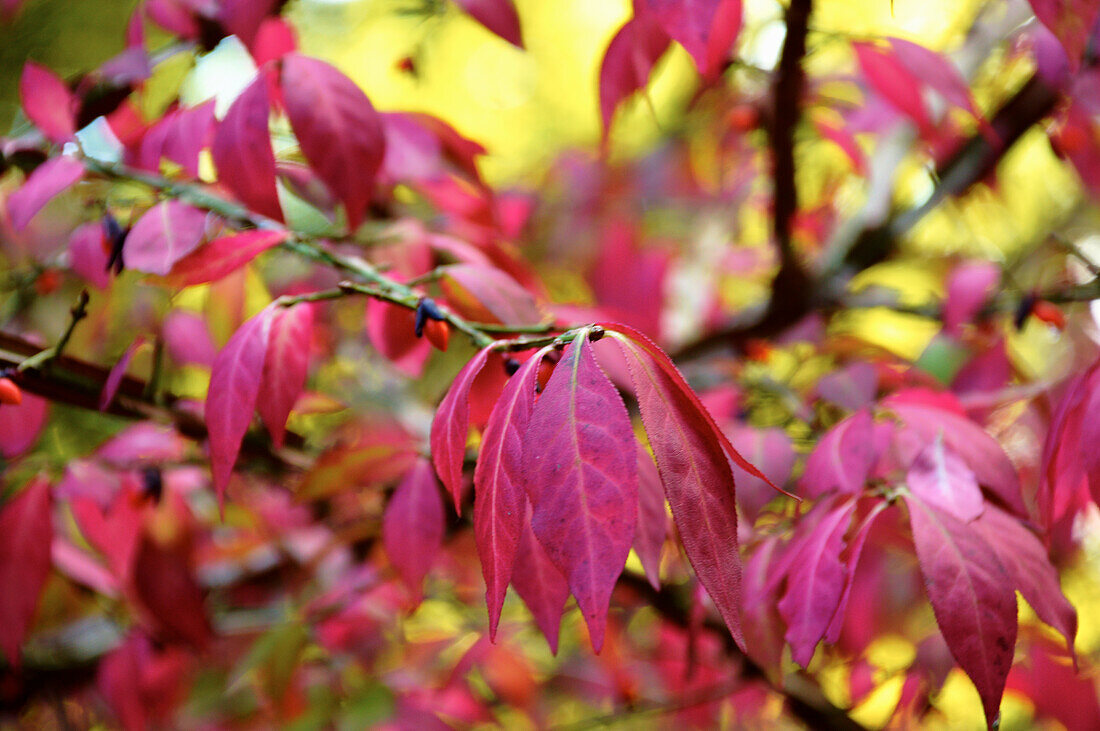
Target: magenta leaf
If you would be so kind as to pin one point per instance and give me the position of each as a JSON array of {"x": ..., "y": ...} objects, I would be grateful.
[
  {"x": 851, "y": 559},
  {"x": 971, "y": 596},
  {"x": 339, "y": 132},
  {"x": 539, "y": 583},
  {"x": 941, "y": 479},
  {"x": 21, "y": 424},
  {"x": 144, "y": 442},
  {"x": 116, "y": 374},
  {"x": 968, "y": 287},
  {"x": 231, "y": 399},
  {"x": 166, "y": 233},
  {"x": 86, "y": 255},
  {"x": 627, "y": 63},
  {"x": 412, "y": 526},
  {"x": 286, "y": 366},
  {"x": 180, "y": 136},
  {"x": 242, "y": 151},
  {"x": 816, "y": 580},
  {"x": 1071, "y": 22},
  {"x": 451, "y": 427},
  {"x": 894, "y": 83},
  {"x": 500, "y": 498},
  {"x": 843, "y": 458},
  {"x": 705, "y": 28},
  {"x": 499, "y": 16},
  {"x": 649, "y": 536},
  {"x": 47, "y": 181},
  {"x": 771, "y": 449},
  {"x": 26, "y": 533},
  {"x": 47, "y": 102},
  {"x": 582, "y": 480},
  {"x": 937, "y": 73},
  {"x": 1026, "y": 561},
  {"x": 223, "y": 256}
]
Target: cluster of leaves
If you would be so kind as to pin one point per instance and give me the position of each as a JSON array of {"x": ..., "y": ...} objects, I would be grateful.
[{"x": 299, "y": 594}]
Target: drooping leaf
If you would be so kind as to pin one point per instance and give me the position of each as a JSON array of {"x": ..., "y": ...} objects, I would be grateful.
[
  {"x": 772, "y": 451},
  {"x": 286, "y": 366},
  {"x": 842, "y": 458},
  {"x": 649, "y": 536},
  {"x": 166, "y": 233},
  {"x": 47, "y": 102},
  {"x": 48, "y": 180},
  {"x": 412, "y": 526},
  {"x": 500, "y": 497},
  {"x": 180, "y": 136},
  {"x": 816, "y": 580},
  {"x": 86, "y": 255},
  {"x": 166, "y": 587},
  {"x": 582, "y": 480},
  {"x": 627, "y": 63},
  {"x": 851, "y": 555},
  {"x": 451, "y": 426},
  {"x": 222, "y": 256},
  {"x": 971, "y": 596},
  {"x": 487, "y": 294},
  {"x": 117, "y": 372},
  {"x": 968, "y": 287},
  {"x": 894, "y": 83},
  {"x": 499, "y": 16},
  {"x": 539, "y": 583},
  {"x": 339, "y": 131},
  {"x": 242, "y": 151},
  {"x": 706, "y": 29},
  {"x": 376, "y": 453},
  {"x": 26, "y": 532},
  {"x": 231, "y": 399},
  {"x": 941, "y": 479},
  {"x": 21, "y": 424},
  {"x": 1071, "y": 22}
]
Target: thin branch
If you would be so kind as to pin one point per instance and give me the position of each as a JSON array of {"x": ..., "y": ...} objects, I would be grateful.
[{"x": 44, "y": 358}]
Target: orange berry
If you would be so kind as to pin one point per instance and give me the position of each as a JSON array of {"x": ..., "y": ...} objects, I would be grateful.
[
  {"x": 47, "y": 282},
  {"x": 10, "y": 393},
  {"x": 437, "y": 332},
  {"x": 743, "y": 117},
  {"x": 1049, "y": 313}
]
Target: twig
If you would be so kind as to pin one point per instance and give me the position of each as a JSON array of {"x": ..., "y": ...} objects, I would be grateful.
[{"x": 44, "y": 358}]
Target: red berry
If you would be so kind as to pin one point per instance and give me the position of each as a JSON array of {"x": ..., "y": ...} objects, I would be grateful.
[
  {"x": 438, "y": 332},
  {"x": 10, "y": 393},
  {"x": 1049, "y": 313}
]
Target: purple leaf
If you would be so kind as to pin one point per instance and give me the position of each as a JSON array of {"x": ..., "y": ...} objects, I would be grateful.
[
  {"x": 539, "y": 583},
  {"x": 843, "y": 458},
  {"x": 941, "y": 479},
  {"x": 166, "y": 233}
]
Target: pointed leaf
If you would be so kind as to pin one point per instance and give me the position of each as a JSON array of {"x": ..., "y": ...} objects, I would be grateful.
[
  {"x": 86, "y": 255},
  {"x": 166, "y": 233},
  {"x": 705, "y": 28},
  {"x": 21, "y": 424},
  {"x": 649, "y": 537},
  {"x": 941, "y": 479},
  {"x": 972, "y": 597},
  {"x": 47, "y": 102},
  {"x": 499, "y": 16},
  {"x": 487, "y": 294},
  {"x": 539, "y": 583},
  {"x": 582, "y": 480},
  {"x": 843, "y": 458},
  {"x": 231, "y": 399},
  {"x": 47, "y": 181},
  {"x": 223, "y": 256},
  {"x": 116, "y": 374},
  {"x": 627, "y": 63},
  {"x": 451, "y": 427},
  {"x": 166, "y": 587},
  {"x": 851, "y": 559},
  {"x": 894, "y": 83},
  {"x": 1071, "y": 21},
  {"x": 337, "y": 128},
  {"x": 242, "y": 151},
  {"x": 500, "y": 497},
  {"x": 286, "y": 366},
  {"x": 412, "y": 527},
  {"x": 26, "y": 532}
]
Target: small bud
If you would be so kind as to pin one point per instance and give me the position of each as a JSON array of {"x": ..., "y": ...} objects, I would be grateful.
[
  {"x": 595, "y": 333},
  {"x": 511, "y": 365}
]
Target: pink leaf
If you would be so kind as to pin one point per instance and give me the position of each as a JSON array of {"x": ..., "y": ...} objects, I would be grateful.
[
  {"x": 1071, "y": 21},
  {"x": 968, "y": 288},
  {"x": 627, "y": 63},
  {"x": 941, "y": 479},
  {"x": 86, "y": 255},
  {"x": 180, "y": 136},
  {"x": 696, "y": 475},
  {"x": 231, "y": 399},
  {"x": 242, "y": 18},
  {"x": 853, "y": 551},
  {"x": 223, "y": 256},
  {"x": 26, "y": 533},
  {"x": 166, "y": 233},
  {"x": 286, "y": 366},
  {"x": 412, "y": 527},
  {"x": 500, "y": 498},
  {"x": 894, "y": 83},
  {"x": 770, "y": 449},
  {"x": 539, "y": 583},
  {"x": 582, "y": 480},
  {"x": 1026, "y": 561},
  {"x": 843, "y": 458},
  {"x": 972, "y": 597},
  {"x": 47, "y": 102},
  {"x": 487, "y": 294},
  {"x": 816, "y": 580},
  {"x": 499, "y": 16},
  {"x": 187, "y": 339},
  {"x": 274, "y": 39},
  {"x": 82, "y": 568},
  {"x": 851, "y": 387},
  {"x": 339, "y": 132},
  {"x": 144, "y": 442},
  {"x": 21, "y": 424},
  {"x": 937, "y": 72},
  {"x": 242, "y": 151},
  {"x": 649, "y": 536},
  {"x": 117, "y": 373},
  {"x": 451, "y": 427},
  {"x": 47, "y": 181},
  {"x": 706, "y": 29}
]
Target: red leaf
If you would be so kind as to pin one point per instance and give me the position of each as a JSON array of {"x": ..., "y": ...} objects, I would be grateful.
[
  {"x": 378, "y": 453},
  {"x": 47, "y": 102},
  {"x": 487, "y": 294},
  {"x": 286, "y": 366},
  {"x": 21, "y": 424},
  {"x": 972, "y": 597},
  {"x": 451, "y": 427},
  {"x": 1026, "y": 561},
  {"x": 649, "y": 536},
  {"x": 166, "y": 233},
  {"x": 815, "y": 582},
  {"x": 539, "y": 583},
  {"x": 696, "y": 475},
  {"x": 939, "y": 74},
  {"x": 117, "y": 373},
  {"x": 499, "y": 16},
  {"x": 274, "y": 39},
  {"x": 180, "y": 136},
  {"x": 187, "y": 339},
  {"x": 1055, "y": 687},
  {"x": 705, "y": 28},
  {"x": 339, "y": 132},
  {"x": 843, "y": 458},
  {"x": 500, "y": 498},
  {"x": 627, "y": 63},
  {"x": 412, "y": 527},
  {"x": 231, "y": 399},
  {"x": 242, "y": 151},
  {"x": 1071, "y": 21},
  {"x": 26, "y": 533},
  {"x": 86, "y": 255},
  {"x": 582, "y": 480},
  {"x": 941, "y": 479},
  {"x": 894, "y": 83},
  {"x": 853, "y": 551},
  {"x": 167, "y": 589},
  {"x": 391, "y": 331},
  {"x": 47, "y": 181},
  {"x": 242, "y": 18},
  {"x": 223, "y": 256},
  {"x": 772, "y": 450}
]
